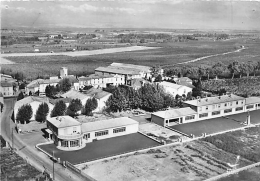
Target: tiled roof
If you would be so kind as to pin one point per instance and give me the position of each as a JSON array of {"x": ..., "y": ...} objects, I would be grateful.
[
  {"x": 97, "y": 93},
  {"x": 106, "y": 124},
  {"x": 29, "y": 99},
  {"x": 214, "y": 100},
  {"x": 138, "y": 67},
  {"x": 6, "y": 84},
  {"x": 94, "y": 76},
  {"x": 63, "y": 121},
  {"x": 252, "y": 100},
  {"x": 186, "y": 84},
  {"x": 118, "y": 70},
  {"x": 73, "y": 94},
  {"x": 170, "y": 85},
  {"x": 184, "y": 79},
  {"x": 34, "y": 83},
  {"x": 65, "y": 100},
  {"x": 173, "y": 113}
]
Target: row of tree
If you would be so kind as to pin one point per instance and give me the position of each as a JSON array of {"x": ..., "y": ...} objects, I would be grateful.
[
  {"x": 25, "y": 112},
  {"x": 233, "y": 69}
]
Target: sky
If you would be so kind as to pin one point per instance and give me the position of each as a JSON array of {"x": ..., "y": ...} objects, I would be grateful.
[{"x": 166, "y": 14}]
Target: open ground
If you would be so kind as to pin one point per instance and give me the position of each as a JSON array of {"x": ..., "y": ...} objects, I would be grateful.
[{"x": 167, "y": 55}]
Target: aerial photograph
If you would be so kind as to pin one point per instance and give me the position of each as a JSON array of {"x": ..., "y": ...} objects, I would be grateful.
[{"x": 130, "y": 90}]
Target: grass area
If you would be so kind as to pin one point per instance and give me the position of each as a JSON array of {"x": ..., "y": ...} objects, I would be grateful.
[
  {"x": 245, "y": 143},
  {"x": 169, "y": 54},
  {"x": 103, "y": 148},
  {"x": 209, "y": 126},
  {"x": 251, "y": 174}
]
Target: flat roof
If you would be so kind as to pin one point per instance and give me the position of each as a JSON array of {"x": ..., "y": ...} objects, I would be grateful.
[
  {"x": 214, "y": 100},
  {"x": 173, "y": 113},
  {"x": 63, "y": 121},
  {"x": 252, "y": 100},
  {"x": 118, "y": 70},
  {"x": 138, "y": 67},
  {"x": 106, "y": 124}
]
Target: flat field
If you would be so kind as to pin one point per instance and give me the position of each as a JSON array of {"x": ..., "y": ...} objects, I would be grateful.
[
  {"x": 183, "y": 162},
  {"x": 168, "y": 55}
]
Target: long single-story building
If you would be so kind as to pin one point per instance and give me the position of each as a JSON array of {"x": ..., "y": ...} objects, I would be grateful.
[
  {"x": 70, "y": 134},
  {"x": 174, "y": 116}
]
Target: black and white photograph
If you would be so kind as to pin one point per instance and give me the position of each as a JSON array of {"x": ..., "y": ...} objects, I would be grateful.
[{"x": 130, "y": 90}]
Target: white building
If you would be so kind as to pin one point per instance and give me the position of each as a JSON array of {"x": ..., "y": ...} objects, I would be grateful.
[
  {"x": 34, "y": 102},
  {"x": 174, "y": 116},
  {"x": 69, "y": 134},
  {"x": 73, "y": 94},
  {"x": 175, "y": 89},
  {"x": 101, "y": 97},
  {"x": 252, "y": 103},
  {"x": 101, "y": 81},
  {"x": 7, "y": 89}
]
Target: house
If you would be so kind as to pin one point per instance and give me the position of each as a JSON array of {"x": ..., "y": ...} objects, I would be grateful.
[
  {"x": 73, "y": 94},
  {"x": 7, "y": 89},
  {"x": 69, "y": 134},
  {"x": 252, "y": 103},
  {"x": 34, "y": 102},
  {"x": 40, "y": 85},
  {"x": 65, "y": 100},
  {"x": 137, "y": 83},
  {"x": 101, "y": 81},
  {"x": 211, "y": 107},
  {"x": 174, "y": 116},
  {"x": 101, "y": 97},
  {"x": 175, "y": 89},
  {"x": 183, "y": 80}
]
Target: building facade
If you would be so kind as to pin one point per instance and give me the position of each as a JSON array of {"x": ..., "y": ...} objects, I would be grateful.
[
  {"x": 175, "y": 89},
  {"x": 7, "y": 89}
]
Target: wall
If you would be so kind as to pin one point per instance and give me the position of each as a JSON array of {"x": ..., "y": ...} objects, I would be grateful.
[
  {"x": 129, "y": 129},
  {"x": 158, "y": 120},
  {"x": 7, "y": 91},
  {"x": 69, "y": 130},
  {"x": 102, "y": 103}
]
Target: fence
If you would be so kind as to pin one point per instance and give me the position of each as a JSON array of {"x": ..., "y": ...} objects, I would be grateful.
[{"x": 233, "y": 172}]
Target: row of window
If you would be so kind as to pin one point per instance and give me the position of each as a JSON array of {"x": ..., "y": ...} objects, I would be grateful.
[
  {"x": 218, "y": 112},
  {"x": 119, "y": 130},
  {"x": 105, "y": 132},
  {"x": 73, "y": 143},
  {"x": 190, "y": 117},
  {"x": 219, "y": 105}
]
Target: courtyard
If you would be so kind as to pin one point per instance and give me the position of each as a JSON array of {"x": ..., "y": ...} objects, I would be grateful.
[{"x": 103, "y": 148}]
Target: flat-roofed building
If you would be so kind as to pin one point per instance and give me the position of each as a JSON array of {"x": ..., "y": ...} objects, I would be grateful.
[
  {"x": 175, "y": 89},
  {"x": 174, "y": 116},
  {"x": 252, "y": 103},
  {"x": 101, "y": 81},
  {"x": 211, "y": 107},
  {"x": 69, "y": 134}
]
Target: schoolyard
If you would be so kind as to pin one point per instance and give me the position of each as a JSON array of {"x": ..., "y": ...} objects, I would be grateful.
[{"x": 102, "y": 148}]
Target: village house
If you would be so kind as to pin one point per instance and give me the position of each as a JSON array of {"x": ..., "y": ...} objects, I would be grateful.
[
  {"x": 34, "y": 102},
  {"x": 70, "y": 134},
  {"x": 175, "y": 89},
  {"x": 7, "y": 88},
  {"x": 101, "y": 81},
  {"x": 73, "y": 94}
]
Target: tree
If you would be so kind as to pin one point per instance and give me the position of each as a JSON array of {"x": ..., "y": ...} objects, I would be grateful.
[
  {"x": 1, "y": 106},
  {"x": 117, "y": 101},
  {"x": 74, "y": 106},
  {"x": 158, "y": 78},
  {"x": 65, "y": 84},
  {"x": 30, "y": 93},
  {"x": 59, "y": 109},
  {"x": 24, "y": 113},
  {"x": 233, "y": 68},
  {"x": 42, "y": 112},
  {"x": 218, "y": 69},
  {"x": 20, "y": 96},
  {"x": 197, "y": 91},
  {"x": 91, "y": 105},
  {"x": 155, "y": 71}
]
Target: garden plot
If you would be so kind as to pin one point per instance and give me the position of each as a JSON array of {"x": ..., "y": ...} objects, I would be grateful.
[{"x": 173, "y": 163}]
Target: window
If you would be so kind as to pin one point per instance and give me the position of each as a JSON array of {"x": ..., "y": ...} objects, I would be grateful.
[
  {"x": 86, "y": 136},
  {"x": 219, "y": 105},
  {"x": 74, "y": 143},
  {"x": 215, "y": 113},
  {"x": 241, "y": 102},
  {"x": 64, "y": 143},
  {"x": 119, "y": 130},
  {"x": 207, "y": 107},
  {"x": 250, "y": 107},
  {"x": 239, "y": 108},
  {"x": 227, "y": 110},
  {"x": 258, "y": 105},
  {"x": 190, "y": 117},
  {"x": 237, "y": 102},
  {"x": 203, "y": 115},
  {"x": 74, "y": 129},
  {"x": 101, "y": 133},
  {"x": 230, "y": 103},
  {"x": 225, "y": 104}
]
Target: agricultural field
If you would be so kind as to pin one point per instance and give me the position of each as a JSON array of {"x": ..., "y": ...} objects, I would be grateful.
[
  {"x": 239, "y": 86},
  {"x": 251, "y": 174},
  {"x": 245, "y": 143},
  {"x": 168, "y": 55},
  {"x": 192, "y": 161}
]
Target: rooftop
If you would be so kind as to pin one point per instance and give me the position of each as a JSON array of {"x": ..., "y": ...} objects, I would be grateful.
[
  {"x": 175, "y": 113},
  {"x": 214, "y": 100},
  {"x": 6, "y": 84},
  {"x": 187, "y": 84},
  {"x": 30, "y": 99},
  {"x": 138, "y": 67},
  {"x": 118, "y": 70},
  {"x": 94, "y": 76},
  {"x": 65, "y": 100},
  {"x": 73, "y": 94},
  {"x": 97, "y": 93},
  {"x": 106, "y": 124},
  {"x": 252, "y": 100},
  {"x": 170, "y": 85},
  {"x": 63, "y": 121},
  {"x": 184, "y": 79}
]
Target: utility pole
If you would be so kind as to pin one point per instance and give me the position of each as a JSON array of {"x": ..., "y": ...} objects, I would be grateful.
[
  {"x": 53, "y": 164},
  {"x": 12, "y": 140}
]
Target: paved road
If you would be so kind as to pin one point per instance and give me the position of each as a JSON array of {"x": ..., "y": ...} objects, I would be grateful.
[{"x": 33, "y": 156}]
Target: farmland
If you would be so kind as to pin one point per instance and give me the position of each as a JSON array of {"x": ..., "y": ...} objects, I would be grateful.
[{"x": 169, "y": 54}]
